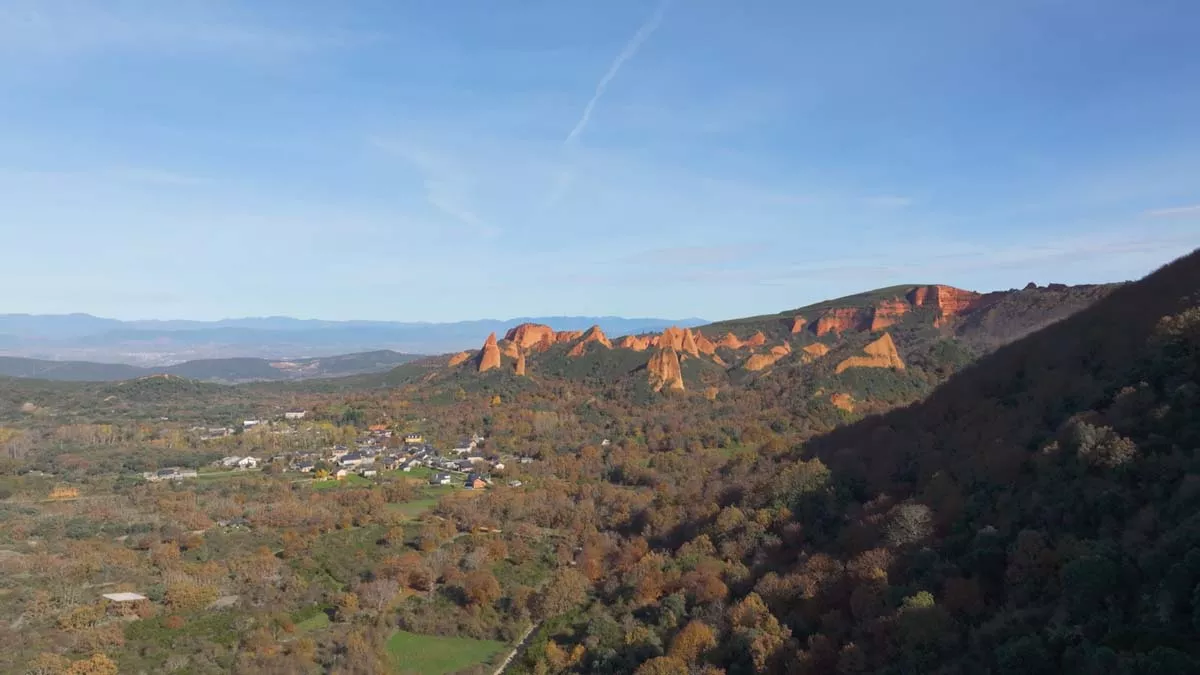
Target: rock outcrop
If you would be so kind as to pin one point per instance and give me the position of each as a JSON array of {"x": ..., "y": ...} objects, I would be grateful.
[
  {"x": 887, "y": 313},
  {"x": 947, "y": 300},
  {"x": 758, "y": 362},
  {"x": 798, "y": 324},
  {"x": 489, "y": 356},
  {"x": 519, "y": 369},
  {"x": 730, "y": 341},
  {"x": 842, "y": 401},
  {"x": 567, "y": 336},
  {"x": 679, "y": 339},
  {"x": 634, "y": 342},
  {"x": 664, "y": 370},
  {"x": 509, "y": 349},
  {"x": 593, "y": 335},
  {"x": 711, "y": 393},
  {"x": 879, "y": 354},
  {"x": 459, "y": 359},
  {"x": 756, "y": 340},
  {"x": 705, "y": 345},
  {"x": 814, "y": 351},
  {"x": 527, "y": 335},
  {"x": 840, "y": 320}
]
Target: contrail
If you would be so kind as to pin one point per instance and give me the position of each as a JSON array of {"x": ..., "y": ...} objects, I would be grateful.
[{"x": 627, "y": 53}]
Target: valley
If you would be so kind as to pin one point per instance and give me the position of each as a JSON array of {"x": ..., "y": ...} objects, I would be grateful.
[{"x": 732, "y": 496}]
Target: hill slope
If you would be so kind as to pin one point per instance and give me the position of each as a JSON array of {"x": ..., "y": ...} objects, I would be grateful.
[
  {"x": 1038, "y": 513},
  {"x": 868, "y": 352}
]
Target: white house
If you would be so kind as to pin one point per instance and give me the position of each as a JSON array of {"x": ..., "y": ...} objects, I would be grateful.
[
  {"x": 247, "y": 463},
  {"x": 294, "y": 415},
  {"x": 246, "y": 424},
  {"x": 230, "y": 462},
  {"x": 367, "y": 473}
]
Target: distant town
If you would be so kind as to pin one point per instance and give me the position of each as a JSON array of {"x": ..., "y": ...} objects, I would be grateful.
[{"x": 379, "y": 449}]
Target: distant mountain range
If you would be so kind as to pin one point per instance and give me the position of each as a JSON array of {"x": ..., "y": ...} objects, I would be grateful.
[
  {"x": 82, "y": 337},
  {"x": 228, "y": 371}
]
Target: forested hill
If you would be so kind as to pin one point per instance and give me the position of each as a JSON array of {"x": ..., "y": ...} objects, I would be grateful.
[{"x": 1038, "y": 513}]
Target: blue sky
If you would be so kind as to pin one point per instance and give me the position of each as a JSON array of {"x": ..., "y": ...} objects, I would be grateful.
[{"x": 436, "y": 160}]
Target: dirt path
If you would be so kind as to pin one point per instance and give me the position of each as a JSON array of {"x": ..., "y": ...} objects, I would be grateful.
[{"x": 516, "y": 650}]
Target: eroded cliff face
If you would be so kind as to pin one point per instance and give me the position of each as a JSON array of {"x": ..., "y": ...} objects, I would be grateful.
[
  {"x": 798, "y": 324},
  {"x": 489, "y": 356},
  {"x": 947, "y": 300},
  {"x": 888, "y": 313},
  {"x": 756, "y": 340},
  {"x": 527, "y": 335},
  {"x": 593, "y": 335},
  {"x": 878, "y": 354},
  {"x": 816, "y": 349},
  {"x": 664, "y": 371},
  {"x": 758, "y": 362},
  {"x": 509, "y": 349},
  {"x": 730, "y": 341},
  {"x": 840, "y": 320},
  {"x": 519, "y": 369},
  {"x": 634, "y": 342},
  {"x": 567, "y": 336},
  {"x": 459, "y": 359},
  {"x": 705, "y": 345}
]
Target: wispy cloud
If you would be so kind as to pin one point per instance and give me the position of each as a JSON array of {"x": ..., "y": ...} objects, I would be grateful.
[
  {"x": 1193, "y": 210},
  {"x": 628, "y": 52},
  {"x": 446, "y": 186}
]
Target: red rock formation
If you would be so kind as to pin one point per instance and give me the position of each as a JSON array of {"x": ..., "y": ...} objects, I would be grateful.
[
  {"x": 730, "y": 341},
  {"x": 798, "y": 324},
  {"x": 680, "y": 339},
  {"x": 839, "y": 320},
  {"x": 545, "y": 343},
  {"x": 719, "y": 361},
  {"x": 459, "y": 359},
  {"x": 664, "y": 370},
  {"x": 593, "y": 334},
  {"x": 758, "y": 362},
  {"x": 689, "y": 344},
  {"x": 842, "y": 401},
  {"x": 509, "y": 349},
  {"x": 489, "y": 356},
  {"x": 519, "y": 369},
  {"x": 879, "y": 354},
  {"x": 781, "y": 350},
  {"x": 567, "y": 336},
  {"x": 815, "y": 350},
  {"x": 711, "y": 393},
  {"x": 634, "y": 342},
  {"x": 887, "y": 313},
  {"x": 705, "y": 345},
  {"x": 527, "y": 335},
  {"x": 756, "y": 340},
  {"x": 947, "y": 300}
]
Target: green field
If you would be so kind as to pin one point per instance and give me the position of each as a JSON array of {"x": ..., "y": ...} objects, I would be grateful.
[{"x": 434, "y": 655}]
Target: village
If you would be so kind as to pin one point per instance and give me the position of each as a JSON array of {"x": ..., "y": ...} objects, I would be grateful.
[{"x": 379, "y": 449}]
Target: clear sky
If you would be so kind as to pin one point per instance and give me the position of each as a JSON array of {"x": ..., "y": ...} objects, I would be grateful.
[{"x": 454, "y": 159}]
